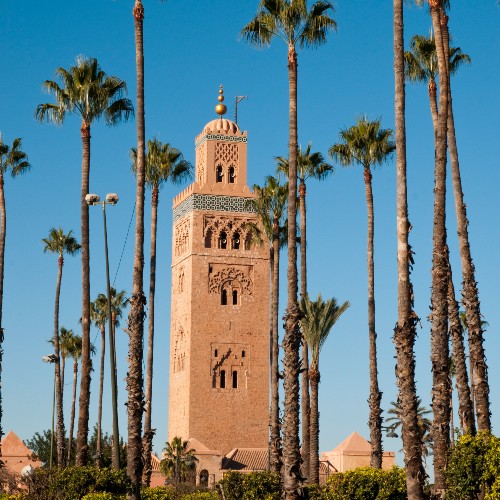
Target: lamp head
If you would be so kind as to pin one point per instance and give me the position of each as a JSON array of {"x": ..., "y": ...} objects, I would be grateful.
[
  {"x": 50, "y": 358},
  {"x": 92, "y": 199},
  {"x": 112, "y": 198}
]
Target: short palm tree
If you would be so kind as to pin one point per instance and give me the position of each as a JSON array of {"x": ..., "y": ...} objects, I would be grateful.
[
  {"x": 64, "y": 340},
  {"x": 163, "y": 163},
  {"x": 309, "y": 165},
  {"x": 178, "y": 460},
  {"x": 297, "y": 26},
  {"x": 91, "y": 94},
  {"x": 15, "y": 160},
  {"x": 319, "y": 316},
  {"x": 60, "y": 243},
  {"x": 368, "y": 145},
  {"x": 270, "y": 206}
]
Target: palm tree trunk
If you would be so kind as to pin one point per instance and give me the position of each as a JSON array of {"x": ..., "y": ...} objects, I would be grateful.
[
  {"x": 84, "y": 400},
  {"x": 470, "y": 294},
  {"x": 439, "y": 303},
  {"x": 73, "y": 404},
  {"x": 148, "y": 431},
  {"x": 101, "y": 389},
  {"x": 465, "y": 408},
  {"x": 375, "y": 419},
  {"x": 3, "y": 229},
  {"x": 275, "y": 452},
  {"x": 405, "y": 330},
  {"x": 314, "y": 449},
  {"x": 135, "y": 405},
  {"x": 306, "y": 404},
  {"x": 291, "y": 343},
  {"x": 57, "y": 377}
]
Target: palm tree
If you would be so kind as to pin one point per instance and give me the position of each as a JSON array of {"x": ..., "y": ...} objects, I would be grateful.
[
  {"x": 422, "y": 66},
  {"x": 163, "y": 163},
  {"x": 59, "y": 243},
  {"x": 368, "y": 145},
  {"x": 309, "y": 165},
  {"x": 405, "y": 329},
  {"x": 14, "y": 159},
  {"x": 88, "y": 92},
  {"x": 178, "y": 459},
  {"x": 424, "y": 424},
  {"x": 64, "y": 340},
  {"x": 292, "y": 22},
  {"x": 270, "y": 206},
  {"x": 317, "y": 321}
]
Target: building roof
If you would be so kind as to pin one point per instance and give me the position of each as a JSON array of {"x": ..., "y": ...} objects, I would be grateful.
[
  {"x": 246, "y": 459},
  {"x": 354, "y": 443},
  {"x": 221, "y": 125},
  {"x": 200, "y": 448},
  {"x": 12, "y": 446}
]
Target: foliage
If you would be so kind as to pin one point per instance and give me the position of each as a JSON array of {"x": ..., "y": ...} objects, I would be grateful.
[
  {"x": 158, "y": 493},
  {"x": 367, "y": 483},
  {"x": 76, "y": 482},
  {"x": 201, "y": 495},
  {"x": 39, "y": 444},
  {"x": 474, "y": 462},
  {"x": 179, "y": 460},
  {"x": 178, "y": 492},
  {"x": 8, "y": 483},
  {"x": 103, "y": 496},
  {"x": 315, "y": 492},
  {"x": 255, "y": 486}
]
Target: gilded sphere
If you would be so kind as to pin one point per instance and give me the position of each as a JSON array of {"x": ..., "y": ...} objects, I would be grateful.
[
  {"x": 220, "y": 98},
  {"x": 220, "y": 109}
]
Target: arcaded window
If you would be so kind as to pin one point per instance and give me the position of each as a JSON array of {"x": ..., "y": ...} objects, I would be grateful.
[
  {"x": 235, "y": 297},
  {"x": 223, "y": 298},
  {"x": 223, "y": 379},
  {"x": 223, "y": 240},
  {"x": 204, "y": 478},
  {"x": 208, "y": 239},
  {"x": 235, "y": 379},
  {"x": 219, "y": 176},
  {"x": 236, "y": 241},
  {"x": 248, "y": 241},
  {"x": 232, "y": 175}
]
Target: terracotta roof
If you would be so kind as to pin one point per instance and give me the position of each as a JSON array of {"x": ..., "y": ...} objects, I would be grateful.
[
  {"x": 13, "y": 446},
  {"x": 246, "y": 459},
  {"x": 355, "y": 443}
]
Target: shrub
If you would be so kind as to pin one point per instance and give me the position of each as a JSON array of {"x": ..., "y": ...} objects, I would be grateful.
[
  {"x": 103, "y": 496},
  {"x": 254, "y": 486},
  {"x": 474, "y": 464},
  {"x": 367, "y": 483},
  {"x": 201, "y": 495},
  {"x": 315, "y": 492}
]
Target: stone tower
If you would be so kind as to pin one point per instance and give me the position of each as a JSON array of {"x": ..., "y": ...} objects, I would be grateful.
[{"x": 219, "y": 336}]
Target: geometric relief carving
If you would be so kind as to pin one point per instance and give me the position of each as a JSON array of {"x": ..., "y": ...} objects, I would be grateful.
[
  {"x": 230, "y": 274},
  {"x": 182, "y": 231},
  {"x": 180, "y": 283},
  {"x": 179, "y": 351},
  {"x": 234, "y": 228},
  {"x": 226, "y": 153},
  {"x": 200, "y": 169}
]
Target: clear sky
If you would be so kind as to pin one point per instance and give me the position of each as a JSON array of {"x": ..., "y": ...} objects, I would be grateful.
[{"x": 191, "y": 47}]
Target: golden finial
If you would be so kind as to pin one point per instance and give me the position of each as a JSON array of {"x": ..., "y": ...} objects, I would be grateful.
[{"x": 220, "y": 109}]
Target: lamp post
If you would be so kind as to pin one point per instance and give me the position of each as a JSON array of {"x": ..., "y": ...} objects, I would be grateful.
[
  {"x": 111, "y": 199},
  {"x": 390, "y": 431},
  {"x": 52, "y": 358}
]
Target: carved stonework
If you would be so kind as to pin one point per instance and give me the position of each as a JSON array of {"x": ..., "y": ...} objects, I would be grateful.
[
  {"x": 226, "y": 153},
  {"x": 182, "y": 232},
  {"x": 179, "y": 351},
  {"x": 223, "y": 275},
  {"x": 213, "y": 226},
  {"x": 180, "y": 277},
  {"x": 200, "y": 169}
]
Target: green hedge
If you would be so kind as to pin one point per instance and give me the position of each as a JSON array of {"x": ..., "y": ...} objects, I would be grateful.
[{"x": 254, "y": 486}]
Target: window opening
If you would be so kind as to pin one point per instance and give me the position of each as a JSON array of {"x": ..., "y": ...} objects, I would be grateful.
[
  {"x": 216, "y": 353},
  {"x": 236, "y": 241},
  {"x": 232, "y": 175},
  {"x": 243, "y": 354},
  {"x": 208, "y": 239},
  {"x": 218, "y": 174},
  {"x": 235, "y": 297},
  {"x": 248, "y": 241},
  {"x": 223, "y": 299},
  {"x": 204, "y": 478},
  {"x": 223, "y": 240},
  {"x": 235, "y": 379},
  {"x": 223, "y": 379}
]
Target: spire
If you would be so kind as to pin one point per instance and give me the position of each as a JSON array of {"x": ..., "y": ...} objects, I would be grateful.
[{"x": 220, "y": 109}]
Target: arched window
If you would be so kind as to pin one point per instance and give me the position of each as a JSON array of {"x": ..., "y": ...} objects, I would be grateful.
[
  {"x": 216, "y": 353},
  {"x": 223, "y": 298},
  {"x": 236, "y": 241},
  {"x": 248, "y": 241},
  {"x": 243, "y": 354},
  {"x": 208, "y": 239},
  {"x": 218, "y": 174},
  {"x": 204, "y": 478},
  {"x": 232, "y": 175},
  {"x": 223, "y": 240},
  {"x": 235, "y": 297},
  {"x": 235, "y": 379},
  {"x": 223, "y": 379}
]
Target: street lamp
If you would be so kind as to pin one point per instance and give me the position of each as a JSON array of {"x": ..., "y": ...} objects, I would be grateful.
[
  {"x": 111, "y": 199},
  {"x": 390, "y": 431},
  {"x": 52, "y": 358}
]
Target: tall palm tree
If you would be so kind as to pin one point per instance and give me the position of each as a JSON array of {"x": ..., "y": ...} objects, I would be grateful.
[
  {"x": 88, "y": 92},
  {"x": 368, "y": 145},
  {"x": 163, "y": 163},
  {"x": 422, "y": 66},
  {"x": 270, "y": 206},
  {"x": 309, "y": 165},
  {"x": 292, "y": 22},
  {"x": 405, "y": 329},
  {"x": 178, "y": 459},
  {"x": 12, "y": 158},
  {"x": 135, "y": 401},
  {"x": 60, "y": 243},
  {"x": 75, "y": 351},
  {"x": 65, "y": 338},
  {"x": 317, "y": 321}
]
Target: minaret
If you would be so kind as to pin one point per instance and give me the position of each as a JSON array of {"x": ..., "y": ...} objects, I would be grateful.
[{"x": 219, "y": 337}]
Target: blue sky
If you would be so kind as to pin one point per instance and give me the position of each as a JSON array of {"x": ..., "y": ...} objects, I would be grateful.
[{"x": 190, "y": 48}]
